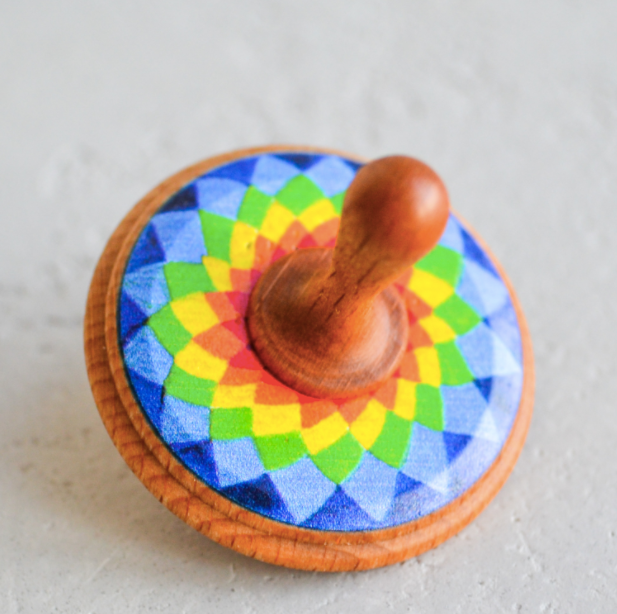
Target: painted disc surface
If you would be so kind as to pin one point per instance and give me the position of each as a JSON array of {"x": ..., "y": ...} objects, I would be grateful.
[{"x": 375, "y": 462}]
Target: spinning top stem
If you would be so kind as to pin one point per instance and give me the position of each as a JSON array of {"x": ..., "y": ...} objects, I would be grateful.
[{"x": 325, "y": 321}]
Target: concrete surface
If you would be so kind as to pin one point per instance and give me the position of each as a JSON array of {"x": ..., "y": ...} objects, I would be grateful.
[{"x": 513, "y": 102}]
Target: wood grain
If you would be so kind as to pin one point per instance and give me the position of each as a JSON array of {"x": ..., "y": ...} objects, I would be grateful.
[
  {"x": 325, "y": 321},
  {"x": 214, "y": 515}
]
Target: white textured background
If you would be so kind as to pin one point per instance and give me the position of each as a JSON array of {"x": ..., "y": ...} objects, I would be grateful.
[{"x": 513, "y": 102}]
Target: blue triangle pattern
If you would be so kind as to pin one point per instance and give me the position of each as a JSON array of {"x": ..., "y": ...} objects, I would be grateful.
[
  {"x": 237, "y": 461},
  {"x": 486, "y": 354},
  {"x": 303, "y": 488},
  {"x": 198, "y": 457},
  {"x": 405, "y": 484},
  {"x": 240, "y": 170},
  {"x": 414, "y": 504},
  {"x": 372, "y": 486},
  {"x": 492, "y": 292},
  {"x": 261, "y": 496},
  {"x": 331, "y": 174},
  {"x": 428, "y": 456},
  {"x": 505, "y": 325},
  {"x": 181, "y": 237},
  {"x": 147, "y": 250},
  {"x": 505, "y": 395},
  {"x": 341, "y": 513},
  {"x": 473, "y": 252},
  {"x": 455, "y": 444},
  {"x": 149, "y": 393},
  {"x": 271, "y": 174},
  {"x": 471, "y": 464},
  {"x": 485, "y": 386},
  {"x": 183, "y": 422},
  {"x": 147, "y": 357},
  {"x": 184, "y": 200},
  {"x": 467, "y": 290},
  {"x": 147, "y": 288},
  {"x": 451, "y": 237},
  {"x": 464, "y": 408},
  {"x": 302, "y": 161},
  {"x": 221, "y": 196},
  {"x": 133, "y": 317}
]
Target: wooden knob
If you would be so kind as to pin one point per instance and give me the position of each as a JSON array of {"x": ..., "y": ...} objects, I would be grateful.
[{"x": 325, "y": 321}]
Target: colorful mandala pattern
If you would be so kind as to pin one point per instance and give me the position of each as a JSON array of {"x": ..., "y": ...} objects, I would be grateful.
[{"x": 372, "y": 462}]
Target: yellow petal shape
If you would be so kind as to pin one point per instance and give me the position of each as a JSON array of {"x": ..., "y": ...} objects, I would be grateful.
[
  {"x": 428, "y": 366},
  {"x": 368, "y": 424},
  {"x": 196, "y": 361},
  {"x": 405, "y": 404},
  {"x": 242, "y": 246},
  {"x": 317, "y": 214},
  {"x": 277, "y": 221},
  {"x": 429, "y": 288},
  {"x": 437, "y": 329},
  {"x": 218, "y": 270},
  {"x": 227, "y": 397},
  {"x": 194, "y": 313},
  {"x": 276, "y": 419},
  {"x": 325, "y": 433}
]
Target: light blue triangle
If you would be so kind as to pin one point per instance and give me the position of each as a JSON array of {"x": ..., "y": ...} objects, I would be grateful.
[
  {"x": 303, "y": 488},
  {"x": 331, "y": 174},
  {"x": 147, "y": 287},
  {"x": 451, "y": 236},
  {"x": 467, "y": 290},
  {"x": 180, "y": 236},
  {"x": 427, "y": 455},
  {"x": 485, "y": 354},
  {"x": 487, "y": 429},
  {"x": 272, "y": 173},
  {"x": 505, "y": 399},
  {"x": 464, "y": 407},
  {"x": 372, "y": 486},
  {"x": 147, "y": 357},
  {"x": 182, "y": 422},
  {"x": 236, "y": 461},
  {"x": 492, "y": 291},
  {"x": 220, "y": 196}
]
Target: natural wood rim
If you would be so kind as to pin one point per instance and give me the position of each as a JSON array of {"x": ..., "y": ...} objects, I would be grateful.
[{"x": 211, "y": 513}]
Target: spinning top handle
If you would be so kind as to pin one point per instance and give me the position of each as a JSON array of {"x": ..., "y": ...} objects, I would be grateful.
[
  {"x": 394, "y": 212},
  {"x": 325, "y": 322}
]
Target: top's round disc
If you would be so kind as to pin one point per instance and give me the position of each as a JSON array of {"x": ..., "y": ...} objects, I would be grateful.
[{"x": 256, "y": 466}]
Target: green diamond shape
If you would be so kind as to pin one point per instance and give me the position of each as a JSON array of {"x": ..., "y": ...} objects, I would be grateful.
[
  {"x": 185, "y": 278},
  {"x": 254, "y": 207},
  {"x": 340, "y": 459},
  {"x": 429, "y": 407},
  {"x": 393, "y": 441},
  {"x": 298, "y": 194},
  {"x": 168, "y": 330},
  {"x": 278, "y": 451},
  {"x": 189, "y": 388},
  {"x": 444, "y": 263},
  {"x": 217, "y": 231},
  {"x": 232, "y": 423},
  {"x": 458, "y": 314},
  {"x": 454, "y": 369}
]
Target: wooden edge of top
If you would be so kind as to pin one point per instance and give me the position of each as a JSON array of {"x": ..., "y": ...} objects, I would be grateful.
[{"x": 211, "y": 513}]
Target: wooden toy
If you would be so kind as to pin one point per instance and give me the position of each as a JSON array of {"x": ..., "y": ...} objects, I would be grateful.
[{"x": 310, "y": 360}]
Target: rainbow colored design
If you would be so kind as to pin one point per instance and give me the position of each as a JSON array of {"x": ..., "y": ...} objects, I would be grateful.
[{"x": 371, "y": 462}]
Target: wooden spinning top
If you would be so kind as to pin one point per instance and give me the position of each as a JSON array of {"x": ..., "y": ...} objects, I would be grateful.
[{"x": 319, "y": 395}]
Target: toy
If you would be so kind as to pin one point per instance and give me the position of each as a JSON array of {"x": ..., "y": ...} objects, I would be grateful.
[{"x": 240, "y": 374}]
